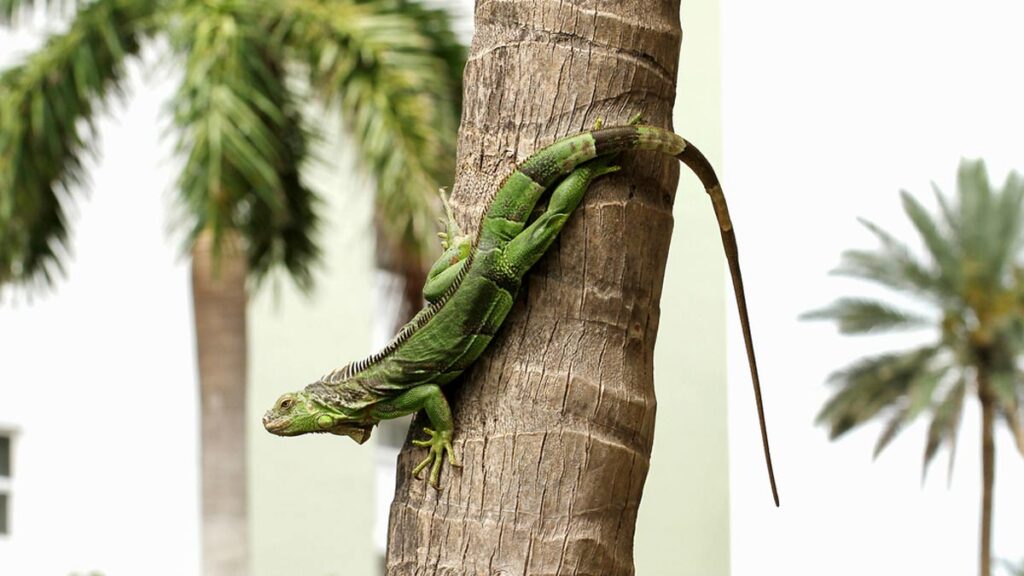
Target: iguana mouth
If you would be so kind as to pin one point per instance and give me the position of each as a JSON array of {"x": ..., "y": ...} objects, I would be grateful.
[{"x": 278, "y": 426}]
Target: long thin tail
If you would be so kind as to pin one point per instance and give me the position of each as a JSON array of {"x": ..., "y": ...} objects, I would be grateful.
[
  {"x": 543, "y": 167},
  {"x": 696, "y": 161}
]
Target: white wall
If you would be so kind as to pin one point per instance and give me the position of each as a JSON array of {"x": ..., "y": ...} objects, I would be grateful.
[
  {"x": 312, "y": 496},
  {"x": 830, "y": 109},
  {"x": 99, "y": 376},
  {"x": 683, "y": 523}
]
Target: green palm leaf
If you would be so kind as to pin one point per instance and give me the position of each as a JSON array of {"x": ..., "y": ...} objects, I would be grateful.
[
  {"x": 861, "y": 316},
  {"x": 893, "y": 266},
  {"x": 920, "y": 392},
  {"x": 394, "y": 77},
  {"x": 976, "y": 203},
  {"x": 942, "y": 251},
  {"x": 871, "y": 386},
  {"x": 11, "y": 9},
  {"x": 1005, "y": 230},
  {"x": 243, "y": 139},
  {"x": 945, "y": 423},
  {"x": 46, "y": 109}
]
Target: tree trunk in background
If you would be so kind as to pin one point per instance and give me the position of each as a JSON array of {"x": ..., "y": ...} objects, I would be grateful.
[
  {"x": 405, "y": 264},
  {"x": 219, "y": 301},
  {"x": 555, "y": 423},
  {"x": 988, "y": 467}
]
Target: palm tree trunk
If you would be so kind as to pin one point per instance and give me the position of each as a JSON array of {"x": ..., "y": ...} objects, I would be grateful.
[
  {"x": 988, "y": 466},
  {"x": 555, "y": 423},
  {"x": 219, "y": 301}
]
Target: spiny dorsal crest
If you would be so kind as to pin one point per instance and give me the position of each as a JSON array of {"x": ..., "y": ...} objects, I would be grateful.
[{"x": 420, "y": 320}]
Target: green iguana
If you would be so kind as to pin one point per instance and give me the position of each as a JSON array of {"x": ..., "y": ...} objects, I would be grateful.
[{"x": 470, "y": 290}]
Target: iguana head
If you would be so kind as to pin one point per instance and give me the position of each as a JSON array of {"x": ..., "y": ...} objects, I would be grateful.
[{"x": 298, "y": 413}]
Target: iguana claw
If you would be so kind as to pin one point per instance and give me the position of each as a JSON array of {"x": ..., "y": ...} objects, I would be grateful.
[
  {"x": 452, "y": 234},
  {"x": 440, "y": 443}
]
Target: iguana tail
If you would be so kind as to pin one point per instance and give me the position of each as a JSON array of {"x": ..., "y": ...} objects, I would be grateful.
[
  {"x": 696, "y": 161},
  {"x": 561, "y": 157}
]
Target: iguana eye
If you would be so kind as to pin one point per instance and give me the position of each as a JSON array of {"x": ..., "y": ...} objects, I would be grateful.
[{"x": 286, "y": 403}]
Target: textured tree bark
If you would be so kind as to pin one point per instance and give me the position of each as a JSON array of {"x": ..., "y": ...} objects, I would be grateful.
[
  {"x": 219, "y": 303},
  {"x": 555, "y": 423}
]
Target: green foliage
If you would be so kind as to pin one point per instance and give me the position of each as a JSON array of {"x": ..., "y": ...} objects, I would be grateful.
[
  {"x": 1014, "y": 569},
  {"x": 393, "y": 67},
  {"x": 243, "y": 138},
  {"x": 859, "y": 316},
  {"x": 972, "y": 277},
  {"x": 10, "y": 10},
  {"x": 46, "y": 110}
]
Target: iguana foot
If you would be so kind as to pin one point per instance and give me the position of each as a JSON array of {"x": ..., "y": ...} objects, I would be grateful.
[
  {"x": 440, "y": 443},
  {"x": 452, "y": 234}
]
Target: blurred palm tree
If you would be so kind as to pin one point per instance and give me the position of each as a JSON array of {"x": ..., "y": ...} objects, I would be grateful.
[
  {"x": 392, "y": 67},
  {"x": 973, "y": 281}
]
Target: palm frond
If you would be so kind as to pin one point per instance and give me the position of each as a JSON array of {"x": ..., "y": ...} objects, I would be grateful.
[
  {"x": 285, "y": 236},
  {"x": 243, "y": 139},
  {"x": 10, "y": 10},
  {"x": 1010, "y": 399},
  {"x": 1012, "y": 569},
  {"x": 1005, "y": 227},
  {"x": 919, "y": 396},
  {"x": 942, "y": 251},
  {"x": 974, "y": 195},
  {"x": 893, "y": 427},
  {"x": 893, "y": 266},
  {"x": 1014, "y": 422},
  {"x": 950, "y": 216},
  {"x": 945, "y": 424},
  {"x": 47, "y": 105},
  {"x": 872, "y": 385},
  {"x": 395, "y": 77},
  {"x": 862, "y": 316}
]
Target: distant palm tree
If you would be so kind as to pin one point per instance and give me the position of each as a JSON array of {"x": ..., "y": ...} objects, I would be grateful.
[
  {"x": 973, "y": 279},
  {"x": 393, "y": 69}
]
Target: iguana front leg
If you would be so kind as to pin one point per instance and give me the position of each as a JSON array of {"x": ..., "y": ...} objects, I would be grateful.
[{"x": 431, "y": 400}]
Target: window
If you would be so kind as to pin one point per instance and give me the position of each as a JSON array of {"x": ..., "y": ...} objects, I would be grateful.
[
  {"x": 5, "y": 456},
  {"x": 5, "y": 483}
]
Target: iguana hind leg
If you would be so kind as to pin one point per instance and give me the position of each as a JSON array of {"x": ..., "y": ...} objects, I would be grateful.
[
  {"x": 457, "y": 247},
  {"x": 446, "y": 269},
  {"x": 528, "y": 246}
]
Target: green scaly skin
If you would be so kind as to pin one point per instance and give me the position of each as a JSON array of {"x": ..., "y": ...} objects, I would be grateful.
[{"x": 470, "y": 291}]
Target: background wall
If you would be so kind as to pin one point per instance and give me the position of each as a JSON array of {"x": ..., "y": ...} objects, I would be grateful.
[
  {"x": 685, "y": 510},
  {"x": 312, "y": 497},
  {"x": 98, "y": 378},
  {"x": 830, "y": 109}
]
